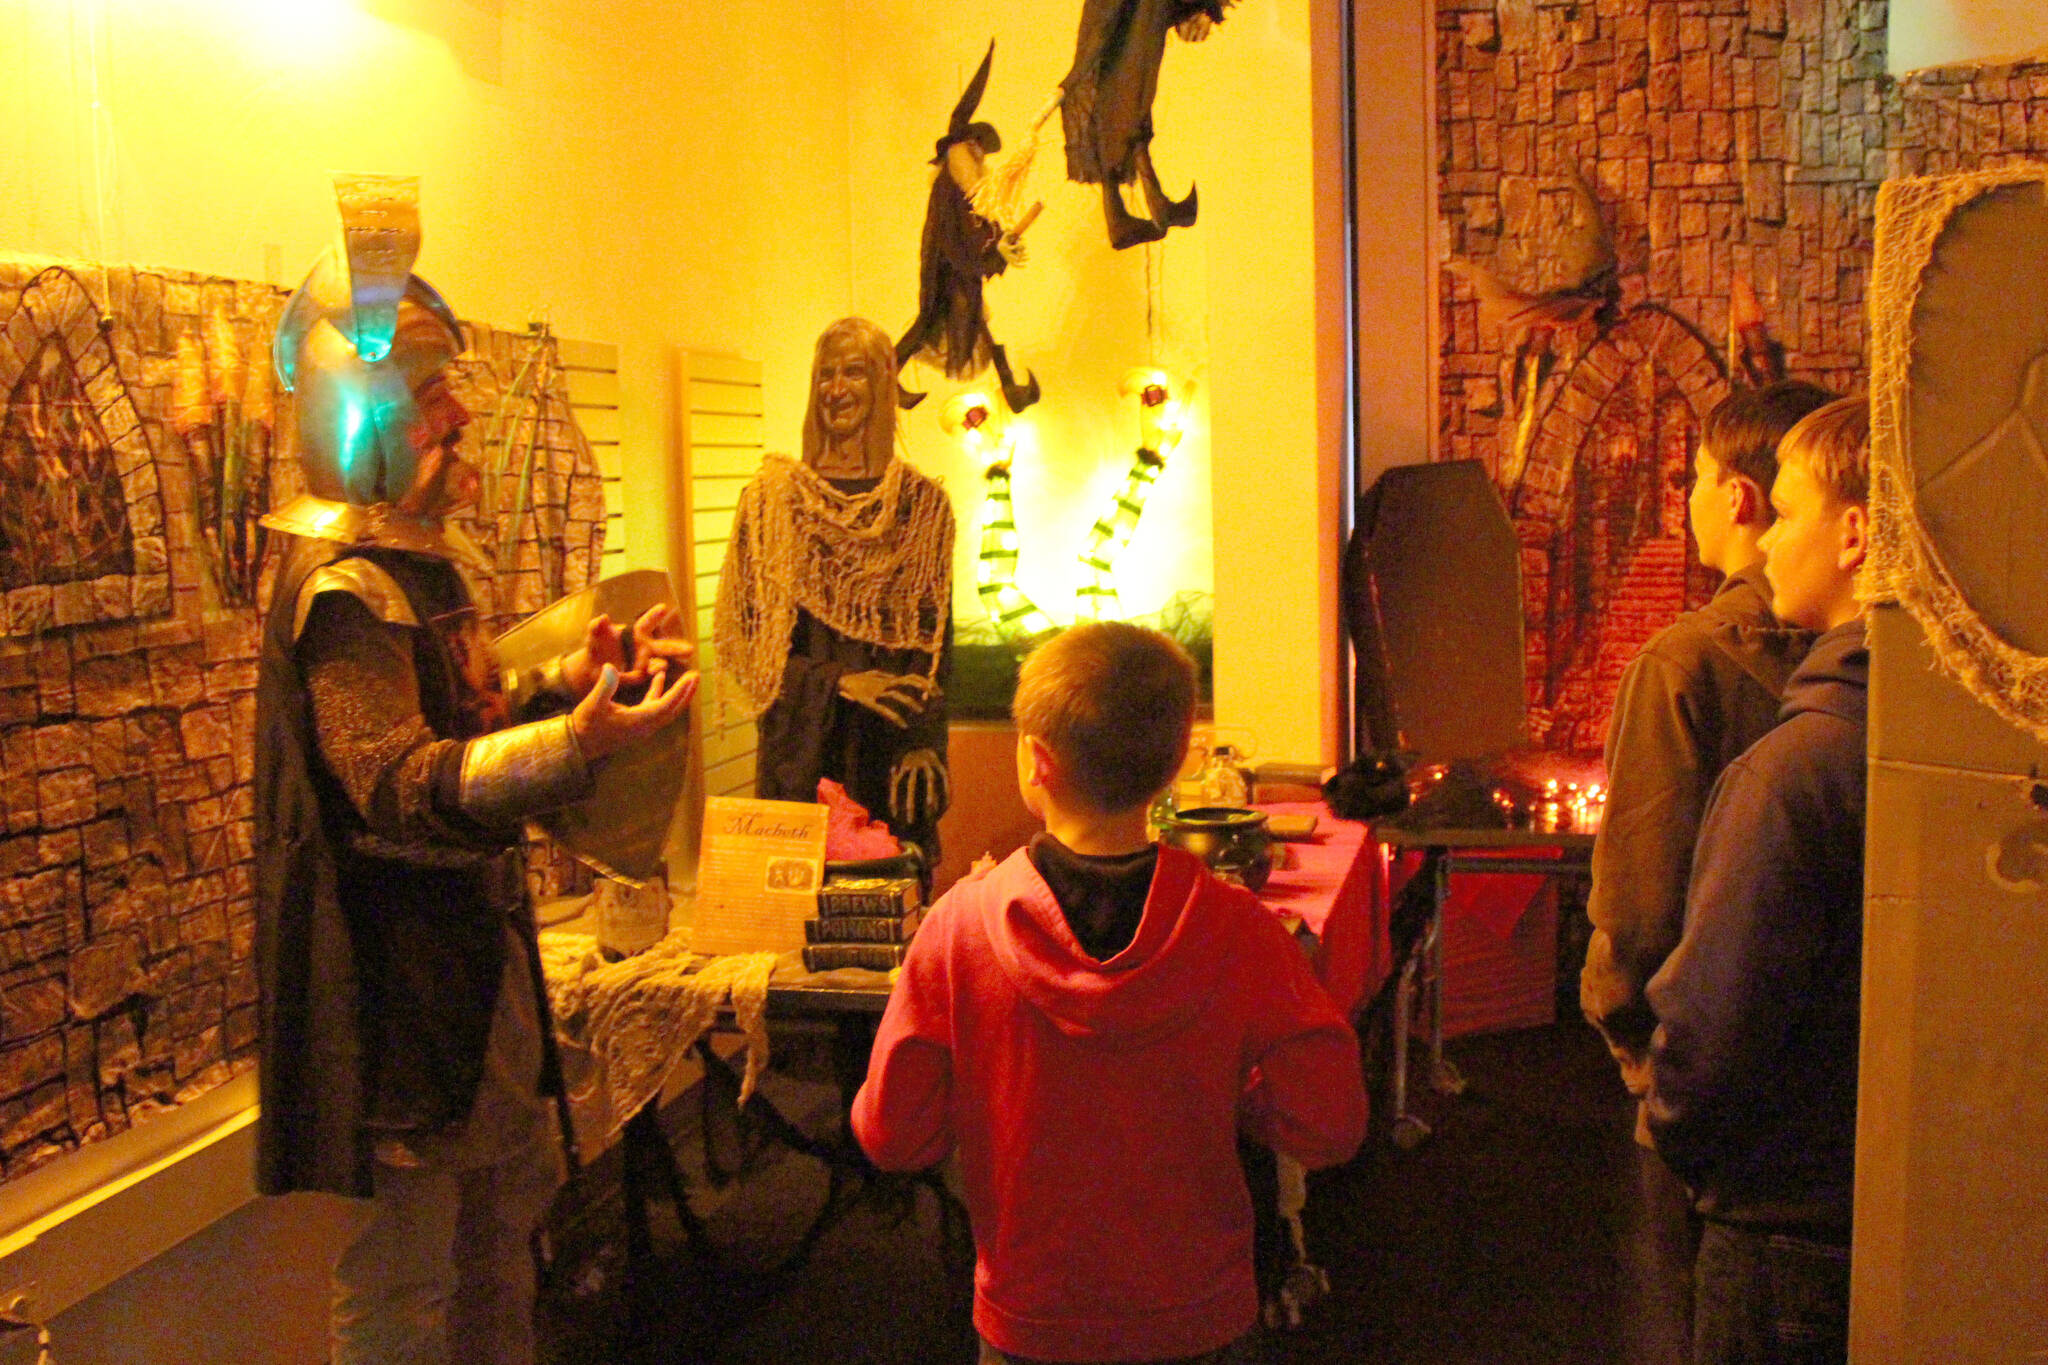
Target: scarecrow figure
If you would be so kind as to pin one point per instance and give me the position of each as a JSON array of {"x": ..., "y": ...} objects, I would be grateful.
[
  {"x": 961, "y": 249},
  {"x": 1107, "y": 107}
]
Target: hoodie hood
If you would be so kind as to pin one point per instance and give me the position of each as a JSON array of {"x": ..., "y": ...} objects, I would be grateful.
[
  {"x": 1834, "y": 679},
  {"x": 1738, "y": 623},
  {"x": 1161, "y": 982}
]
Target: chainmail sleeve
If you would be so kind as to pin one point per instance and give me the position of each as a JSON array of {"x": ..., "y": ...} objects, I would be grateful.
[{"x": 413, "y": 788}]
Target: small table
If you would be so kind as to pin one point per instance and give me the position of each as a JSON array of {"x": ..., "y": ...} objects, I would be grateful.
[
  {"x": 1328, "y": 884},
  {"x": 851, "y": 1001},
  {"x": 1445, "y": 854}
]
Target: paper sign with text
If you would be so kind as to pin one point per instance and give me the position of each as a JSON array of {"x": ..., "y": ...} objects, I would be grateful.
[{"x": 758, "y": 875}]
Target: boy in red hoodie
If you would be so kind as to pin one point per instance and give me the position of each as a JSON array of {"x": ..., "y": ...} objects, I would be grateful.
[{"x": 1090, "y": 1024}]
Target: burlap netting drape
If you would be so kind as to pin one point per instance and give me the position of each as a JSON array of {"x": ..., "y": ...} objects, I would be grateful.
[
  {"x": 1905, "y": 564},
  {"x": 637, "y": 1019},
  {"x": 875, "y": 567}
]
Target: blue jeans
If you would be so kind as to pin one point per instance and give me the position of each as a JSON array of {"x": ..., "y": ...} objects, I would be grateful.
[{"x": 1769, "y": 1298}]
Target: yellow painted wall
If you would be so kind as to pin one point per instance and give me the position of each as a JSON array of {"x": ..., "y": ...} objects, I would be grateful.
[
  {"x": 1232, "y": 303},
  {"x": 640, "y": 172},
  {"x": 731, "y": 178},
  {"x": 1942, "y": 32}
]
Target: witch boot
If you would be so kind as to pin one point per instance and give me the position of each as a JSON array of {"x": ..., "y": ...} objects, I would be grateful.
[
  {"x": 1126, "y": 229},
  {"x": 1018, "y": 396},
  {"x": 905, "y": 350},
  {"x": 1168, "y": 213}
]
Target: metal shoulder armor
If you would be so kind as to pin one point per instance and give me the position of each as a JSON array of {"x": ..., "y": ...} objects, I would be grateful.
[{"x": 361, "y": 579}]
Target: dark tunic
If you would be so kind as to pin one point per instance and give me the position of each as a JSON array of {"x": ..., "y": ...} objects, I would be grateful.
[
  {"x": 382, "y": 911},
  {"x": 958, "y": 253},
  {"x": 1107, "y": 109},
  {"x": 809, "y": 731}
]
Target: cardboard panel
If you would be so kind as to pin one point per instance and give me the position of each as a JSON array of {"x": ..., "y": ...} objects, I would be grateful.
[
  {"x": 1977, "y": 408},
  {"x": 1920, "y": 715}
]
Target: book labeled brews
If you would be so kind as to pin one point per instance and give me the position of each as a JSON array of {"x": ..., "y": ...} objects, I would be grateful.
[
  {"x": 863, "y": 922},
  {"x": 848, "y": 896}
]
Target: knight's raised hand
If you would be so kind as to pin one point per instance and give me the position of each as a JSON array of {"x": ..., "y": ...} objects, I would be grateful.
[
  {"x": 632, "y": 652},
  {"x": 603, "y": 725}
]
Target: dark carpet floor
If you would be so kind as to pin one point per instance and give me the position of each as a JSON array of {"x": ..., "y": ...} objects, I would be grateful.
[{"x": 1501, "y": 1241}]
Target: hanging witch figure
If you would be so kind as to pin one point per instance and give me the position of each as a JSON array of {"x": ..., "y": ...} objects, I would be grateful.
[
  {"x": 1106, "y": 107},
  {"x": 961, "y": 249}
]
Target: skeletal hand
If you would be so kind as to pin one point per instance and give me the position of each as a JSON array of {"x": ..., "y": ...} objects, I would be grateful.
[
  {"x": 895, "y": 697},
  {"x": 1012, "y": 249},
  {"x": 917, "y": 788}
]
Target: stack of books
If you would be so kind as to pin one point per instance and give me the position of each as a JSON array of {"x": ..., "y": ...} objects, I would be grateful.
[{"x": 862, "y": 922}]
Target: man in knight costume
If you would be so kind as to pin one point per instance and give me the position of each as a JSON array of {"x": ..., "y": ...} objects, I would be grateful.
[
  {"x": 406, "y": 1057},
  {"x": 835, "y": 605}
]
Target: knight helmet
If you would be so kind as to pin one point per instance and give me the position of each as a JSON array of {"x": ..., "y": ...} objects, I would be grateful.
[{"x": 358, "y": 337}]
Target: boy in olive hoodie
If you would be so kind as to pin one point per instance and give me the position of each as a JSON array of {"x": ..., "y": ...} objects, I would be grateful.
[{"x": 1090, "y": 1024}]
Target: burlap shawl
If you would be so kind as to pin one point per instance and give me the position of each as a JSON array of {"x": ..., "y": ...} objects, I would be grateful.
[{"x": 875, "y": 567}]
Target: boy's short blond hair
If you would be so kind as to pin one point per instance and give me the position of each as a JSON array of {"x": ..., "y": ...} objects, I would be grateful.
[
  {"x": 1833, "y": 445},
  {"x": 1114, "y": 703}
]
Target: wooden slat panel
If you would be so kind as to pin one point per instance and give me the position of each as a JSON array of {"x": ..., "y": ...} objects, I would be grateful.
[
  {"x": 710, "y": 395},
  {"x": 730, "y": 776},
  {"x": 713, "y": 495},
  {"x": 599, "y": 425},
  {"x": 729, "y": 369},
  {"x": 593, "y": 388},
  {"x": 595, "y": 355},
  {"x": 732, "y": 742},
  {"x": 723, "y": 430},
  {"x": 707, "y": 527},
  {"x": 725, "y": 463}
]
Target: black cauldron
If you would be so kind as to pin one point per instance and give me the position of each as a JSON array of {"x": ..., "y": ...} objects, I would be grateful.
[{"x": 1232, "y": 840}]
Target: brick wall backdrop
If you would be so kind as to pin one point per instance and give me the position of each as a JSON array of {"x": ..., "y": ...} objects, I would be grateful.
[
  {"x": 127, "y": 676},
  {"x": 1721, "y": 137},
  {"x": 1961, "y": 118}
]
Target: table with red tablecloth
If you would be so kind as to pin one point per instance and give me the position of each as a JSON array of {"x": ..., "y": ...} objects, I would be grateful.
[{"x": 1331, "y": 882}]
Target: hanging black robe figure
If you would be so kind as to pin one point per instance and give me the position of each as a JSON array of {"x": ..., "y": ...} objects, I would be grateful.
[
  {"x": 960, "y": 250},
  {"x": 1107, "y": 107}
]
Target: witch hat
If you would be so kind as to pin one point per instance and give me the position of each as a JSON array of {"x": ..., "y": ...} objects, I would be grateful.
[{"x": 962, "y": 127}]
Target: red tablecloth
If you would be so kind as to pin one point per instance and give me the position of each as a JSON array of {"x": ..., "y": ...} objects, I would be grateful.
[{"x": 1329, "y": 884}]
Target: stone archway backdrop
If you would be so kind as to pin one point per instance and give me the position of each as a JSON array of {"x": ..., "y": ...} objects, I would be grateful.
[
  {"x": 139, "y": 440},
  {"x": 1605, "y": 557},
  {"x": 1723, "y": 138}
]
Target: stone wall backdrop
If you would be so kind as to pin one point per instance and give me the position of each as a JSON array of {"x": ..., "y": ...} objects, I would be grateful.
[
  {"x": 1722, "y": 138},
  {"x": 136, "y": 450},
  {"x": 1964, "y": 118}
]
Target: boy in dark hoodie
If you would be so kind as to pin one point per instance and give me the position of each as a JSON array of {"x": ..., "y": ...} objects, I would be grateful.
[
  {"x": 1752, "y": 1095},
  {"x": 1703, "y": 689},
  {"x": 1089, "y": 1025}
]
